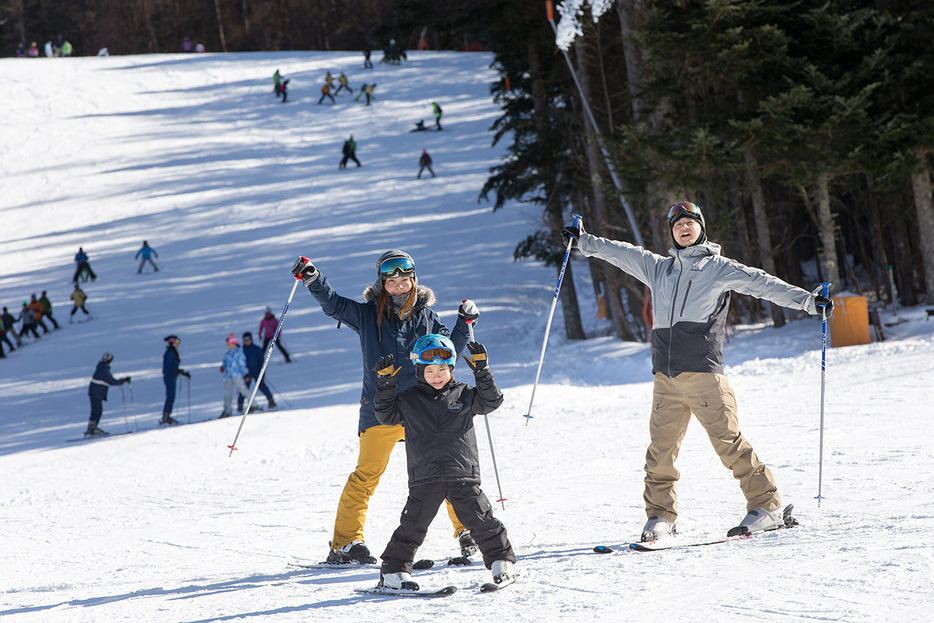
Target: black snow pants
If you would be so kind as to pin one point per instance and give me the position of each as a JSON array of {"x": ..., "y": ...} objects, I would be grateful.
[{"x": 470, "y": 505}]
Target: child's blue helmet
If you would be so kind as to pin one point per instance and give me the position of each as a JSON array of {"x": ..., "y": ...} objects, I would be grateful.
[{"x": 433, "y": 348}]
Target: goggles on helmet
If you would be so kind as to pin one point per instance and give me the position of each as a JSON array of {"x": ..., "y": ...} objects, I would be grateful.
[
  {"x": 433, "y": 348},
  {"x": 396, "y": 266},
  {"x": 684, "y": 208}
]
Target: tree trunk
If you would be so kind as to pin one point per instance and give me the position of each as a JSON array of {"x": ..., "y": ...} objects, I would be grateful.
[
  {"x": 924, "y": 209},
  {"x": 763, "y": 231},
  {"x": 220, "y": 26},
  {"x": 827, "y": 235}
]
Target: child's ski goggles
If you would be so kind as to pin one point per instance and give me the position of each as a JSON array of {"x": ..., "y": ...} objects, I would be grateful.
[{"x": 440, "y": 355}]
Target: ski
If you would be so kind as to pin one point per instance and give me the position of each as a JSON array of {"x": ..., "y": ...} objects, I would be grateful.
[
  {"x": 86, "y": 438},
  {"x": 426, "y": 563},
  {"x": 392, "y": 592},
  {"x": 489, "y": 587},
  {"x": 676, "y": 542}
]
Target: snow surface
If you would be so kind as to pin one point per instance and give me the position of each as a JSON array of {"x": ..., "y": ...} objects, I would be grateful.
[{"x": 194, "y": 154}]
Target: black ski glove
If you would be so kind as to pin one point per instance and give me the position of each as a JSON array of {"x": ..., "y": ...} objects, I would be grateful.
[
  {"x": 822, "y": 301},
  {"x": 125, "y": 379},
  {"x": 185, "y": 373},
  {"x": 571, "y": 234},
  {"x": 469, "y": 311},
  {"x": 384, "y": 367},
  {"x": 477, "y": 358},
  {"x": 303, "y": 269}
]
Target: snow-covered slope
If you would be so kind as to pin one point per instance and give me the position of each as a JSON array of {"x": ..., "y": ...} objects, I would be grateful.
[{"x": 194, "y": 154}]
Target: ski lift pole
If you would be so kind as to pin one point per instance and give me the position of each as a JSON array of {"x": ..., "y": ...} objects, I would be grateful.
[
  {"x": 824, "y": 290},
  {"x": 630, "y": 216},
  {"x": 489, "y": 436},
  {"x": 272, "y": 343},
  {"x": 551, "y": 314}
]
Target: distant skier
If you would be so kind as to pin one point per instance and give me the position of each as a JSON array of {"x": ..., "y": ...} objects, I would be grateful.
[
  {"x": 8, "y": 321},
  {"x": 47, "y": 308},
  {"x": 147, "y": 252},
  {"x": 436, "y": 110},
  {"x": 267, "y": 330},
  {"x": 326, "y": 92},
  {"x": 234, "y": 370},
  {"x": 343, "y": 82},
  {"x": 424, "y": 162},
  {"x": 97, "y": 392},
  {"x": 36, "y": 308},
  {"x": 329, "y": 80},
  {"x": 28, "y": 319},
  {"x": 350, "y": 152},
  {"x": 79, "y": 298},
  {"x": 254, "y": 363},
  {"x": 276, "y": 82},
  {"x": 367, "y": 63},
  {"x": 366, "y": 90},
  {"x": 170, "y": 374},
  {"x": 441, "y": 454},
  {"x": 83, "y": 265}
]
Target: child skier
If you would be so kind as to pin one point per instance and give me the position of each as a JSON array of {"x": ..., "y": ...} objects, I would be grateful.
[
  {"x": 441, "y": 454},
  {"x": 234, "y": 370},
  {"x": 148, "y": 253}
]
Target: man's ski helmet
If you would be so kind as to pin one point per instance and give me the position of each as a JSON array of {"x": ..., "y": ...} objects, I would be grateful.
[
  {"x": 433, "y": 348},
  {"x": 686, "y": 209},
  {"x": 107, "y": 357},
  {"x": 172, "y": 340}
]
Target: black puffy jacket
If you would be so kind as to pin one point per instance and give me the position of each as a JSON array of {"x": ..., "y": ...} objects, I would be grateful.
[{"x": 440, "y": 443}]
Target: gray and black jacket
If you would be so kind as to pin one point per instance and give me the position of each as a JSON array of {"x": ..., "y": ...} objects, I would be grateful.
[
  {"x": 691, "y": 296},
  {"x": 440, "y": 444}
]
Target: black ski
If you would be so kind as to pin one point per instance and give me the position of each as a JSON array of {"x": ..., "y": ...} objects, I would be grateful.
[
  {"x": 392, "y": 592},
  {"x": 94, "y": 437},
  {"x": 489, "y": 587}
]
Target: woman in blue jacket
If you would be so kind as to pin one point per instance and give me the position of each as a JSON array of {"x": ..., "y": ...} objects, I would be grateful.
[{"x": 396, "y": 311}]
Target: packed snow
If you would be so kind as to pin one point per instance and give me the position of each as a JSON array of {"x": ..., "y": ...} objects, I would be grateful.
[{"x": 196, "y": 155}]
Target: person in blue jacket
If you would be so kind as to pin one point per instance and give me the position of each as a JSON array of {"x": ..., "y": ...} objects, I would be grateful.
[
  {"x": 254, "y": 363},
  {"x": 147, "y": 252},
  {"x": 170, "y": 373},
  {"x": 395, "y": 312},
  {"x": 83, "y": 265},
  {"x": 235, "y": 372},
  {"x": 97, "y": 391}
]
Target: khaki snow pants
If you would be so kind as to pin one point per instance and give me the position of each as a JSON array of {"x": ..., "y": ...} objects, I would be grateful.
[
  {"x": 376, "y": 445},
  {"x": 710, "y": 398}
]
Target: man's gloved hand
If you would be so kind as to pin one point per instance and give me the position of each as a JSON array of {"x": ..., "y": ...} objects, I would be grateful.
[
  {"x": 303, "y": 269},
  {"x": 385, "y": 369},
  {"x": 571, "y": 234},
  {"x": 469, "y": 311},
  {"x": 477, "y": 358},
  {"x": 125, "y": 379},
  {"x": 185, "y": 373},
  {"x": 822, "y": 301}
]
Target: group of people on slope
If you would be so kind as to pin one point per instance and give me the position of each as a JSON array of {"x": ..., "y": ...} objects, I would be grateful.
[
  {"x": 31, "y": 317},
  {"x": 239, "y": 367},
  {"x": 408, "y": 359}
]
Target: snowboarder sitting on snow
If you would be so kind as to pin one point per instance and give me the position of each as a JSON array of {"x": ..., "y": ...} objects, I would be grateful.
[
  {"x": 690, "y": 299},
  {"x": 83, "y": 266},
  {"x": 147, "y": 252},
  {"x": 420, "y": 126},
  {"x": 170, "y": 374},
  {"x": 424, "y": 162},
  {"x": 254, "y": 363},
  {"x": 234, "y": 370},
  {"x": 97, "y": 391},
  {"x": 441, "y": 454},
  {"x": 350, "y": 153}
]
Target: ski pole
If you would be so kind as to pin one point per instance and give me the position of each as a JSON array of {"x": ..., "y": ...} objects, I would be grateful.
[
  {"x": 554, "y": 303},
  {"x": 125, "y": 420},
  {"x": 489, "y": 436},
  {"x": 276, "y": 391},
  {"x": 246, "y": 410},
  {"x": 188, "y": 384},
  {"x": 132, "y": 404},
  {"x": 824, "y": 290}
]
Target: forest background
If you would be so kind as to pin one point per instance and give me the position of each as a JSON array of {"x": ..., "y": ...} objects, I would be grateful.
[{"x": 804, "y": 130}]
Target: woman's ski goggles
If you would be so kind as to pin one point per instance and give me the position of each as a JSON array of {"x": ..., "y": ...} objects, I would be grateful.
[
  {"x": 396, "y": 266},
  {"x": 439, "y": 354},
  {"x": 685, "y": 208}
]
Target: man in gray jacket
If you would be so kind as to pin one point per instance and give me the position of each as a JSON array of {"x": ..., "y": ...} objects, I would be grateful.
[{"x": 690, "y": 299}]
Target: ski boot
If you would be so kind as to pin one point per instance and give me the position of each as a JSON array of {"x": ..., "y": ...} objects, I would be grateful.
[
  {"x": 469, "y": 547},
  {"x": 357, "y": 552},
  {"x": 657, "y": 527},
  {"x": 504, "y": 572},
  {"x": 168, "y": 419},
  {"x": 761, "y": 519}
]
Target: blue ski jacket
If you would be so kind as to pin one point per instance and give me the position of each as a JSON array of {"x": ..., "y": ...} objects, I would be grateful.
[{"x": 384, "y": 336}]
